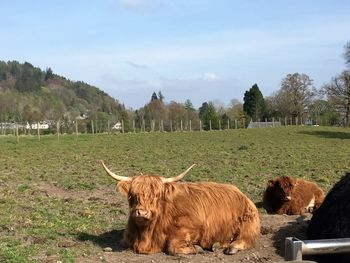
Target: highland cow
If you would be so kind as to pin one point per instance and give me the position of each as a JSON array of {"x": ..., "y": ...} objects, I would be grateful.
[
  {"x": 286, "y": 195},
  {"x": 184, "y": 218}
]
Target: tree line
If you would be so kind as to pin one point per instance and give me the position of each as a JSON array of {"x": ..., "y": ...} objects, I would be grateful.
[
  {"x": 296, "y": 99},
  {"x": 28, "y": 94}
]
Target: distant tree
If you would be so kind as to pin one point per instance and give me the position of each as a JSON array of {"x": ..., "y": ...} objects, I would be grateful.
[
  {"x": 31, "y": 114},
  {"x": 177, "y": 113},
  {"x": 29, "y": 79},
  {"x": 236, "y": 112},
  {"x": 203, "y": 109},
  {"x": 254, "y": 103},
  {"x": 189, "y": 105},
  {"x": 48, "y": 74},
  {"x": 191, "y": 115},
  {"x": 296, "y": 94},
  {"x": 208, "y": 115},
  {"x": 160, "y": 96},
  {"x": 338, "y": 93},
  {"x": 323, "y": 111},
  {"x": 154, "y": 96},
  {"x": 14, "y": 68},
  {"x": 155, "y": 111},
  {"x": 272, "y": 106},
  {"x": 347, "y": 53}
]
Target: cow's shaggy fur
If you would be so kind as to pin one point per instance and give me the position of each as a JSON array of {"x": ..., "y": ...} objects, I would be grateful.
[
  {"x": 286, "y": 195},
  {"x": 332, "y": 219},
  {"x": 184, "y": 217}
]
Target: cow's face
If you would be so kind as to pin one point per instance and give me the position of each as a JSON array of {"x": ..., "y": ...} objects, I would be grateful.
[
  {"x": 282, "y": 187},
  {"x": 144, "y": 194}
]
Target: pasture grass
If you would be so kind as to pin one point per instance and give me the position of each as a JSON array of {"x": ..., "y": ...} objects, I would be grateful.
[{"x": 45, "y": 211}]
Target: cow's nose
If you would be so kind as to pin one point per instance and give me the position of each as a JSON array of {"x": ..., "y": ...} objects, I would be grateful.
[{"x": 140, "y": 212}]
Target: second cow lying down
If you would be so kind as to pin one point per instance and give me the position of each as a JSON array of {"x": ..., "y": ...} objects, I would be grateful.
[
  {"x": 286, "y": 195},
  {"x": 179, "y": 217}
]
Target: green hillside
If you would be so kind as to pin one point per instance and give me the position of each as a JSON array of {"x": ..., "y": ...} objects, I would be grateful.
[{"x": 30, "y": 94}]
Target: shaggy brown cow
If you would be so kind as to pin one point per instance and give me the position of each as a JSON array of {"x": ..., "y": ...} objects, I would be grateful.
[
  {"x": 286, "y": 195},
  {"x": 184, "y": 218}
]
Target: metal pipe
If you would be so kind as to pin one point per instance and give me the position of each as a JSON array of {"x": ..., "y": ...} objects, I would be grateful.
[
  {"x": 295, "y": 248},
  {"x": 326, "y": 246}
]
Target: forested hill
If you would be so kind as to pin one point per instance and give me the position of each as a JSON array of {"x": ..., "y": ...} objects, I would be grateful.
[{"x": 28, "y": 93}]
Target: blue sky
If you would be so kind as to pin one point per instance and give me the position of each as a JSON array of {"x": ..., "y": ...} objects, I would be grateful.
[{"x": 201, "y": 50}]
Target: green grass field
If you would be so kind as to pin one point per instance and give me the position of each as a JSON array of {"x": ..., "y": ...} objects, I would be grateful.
[{"x": 45, "y": 209}]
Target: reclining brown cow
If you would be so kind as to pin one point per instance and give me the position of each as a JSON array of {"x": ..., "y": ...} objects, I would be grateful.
[
  {"x": 286, "y": 195},
  {"x": 184, "y": 218}
]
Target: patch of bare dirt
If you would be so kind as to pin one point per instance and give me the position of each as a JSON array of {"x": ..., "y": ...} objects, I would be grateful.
[
  {"x": 105, "y": 195},
  {"x": 269, "y": 248}
]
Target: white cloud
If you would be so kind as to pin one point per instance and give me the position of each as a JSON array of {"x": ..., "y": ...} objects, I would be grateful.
[
  {"x": 138, "y": 4},
  {"x": 136, "y": 65},
  {"x": 131, "y": 3}
]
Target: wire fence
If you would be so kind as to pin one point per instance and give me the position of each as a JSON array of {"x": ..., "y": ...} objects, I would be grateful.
[{"x": 78, "y": 127}]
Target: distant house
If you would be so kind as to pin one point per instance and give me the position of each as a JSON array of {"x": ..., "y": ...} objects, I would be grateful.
[
  {"x": 117, "y": 126},
  {"x": 9, "y": 125},
  {"x": 42, "y": 126}
]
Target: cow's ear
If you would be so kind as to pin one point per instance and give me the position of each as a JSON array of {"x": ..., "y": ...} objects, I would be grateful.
[
  {"x": 123, "y": 187},
  {"x": 270, "y": 183}
]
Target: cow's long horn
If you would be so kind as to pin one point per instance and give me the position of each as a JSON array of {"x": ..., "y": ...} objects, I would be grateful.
[
  {"x": 179, "y": 177},
  {"x": 113, "y": 175}
]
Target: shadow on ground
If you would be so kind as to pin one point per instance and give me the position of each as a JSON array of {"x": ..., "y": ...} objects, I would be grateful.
[
  {"x": 328, "y": 134},
  {"x": 295, "y": 228},
  {"x": 112, "y": 239}
]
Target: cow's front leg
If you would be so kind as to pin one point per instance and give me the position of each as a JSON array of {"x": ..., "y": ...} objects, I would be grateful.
[{"x": 183, "y": 241}]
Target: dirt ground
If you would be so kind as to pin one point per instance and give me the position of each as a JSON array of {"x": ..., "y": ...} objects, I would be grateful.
[{"x": 269, "y": 248}]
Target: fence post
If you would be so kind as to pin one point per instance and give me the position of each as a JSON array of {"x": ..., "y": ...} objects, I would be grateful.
[
  {"x": 76, "y": 127},
  {"x": 210, "y": 125},
  {"x": 236, "y": 125},
  {"x": 92, "y": 127},
  {"x": 122, "y": 126},
  {"x": 181, "y": 127},
  {"x": 17, "y": 135},
  {"x": 58, "y": 130},
  {"x": 220, "y": 125},
  {"x": 243, "y": 123},
  {"x": 190, "y": 125},
  {"x": 200, "y": 125},
  {"x": 228, "y": 124},
  {"x": 133, "y": 125},
  {"x": 37, "y": 126},
  {"x": 273, "y": 121},
  {"x": 171, "y": 125}
]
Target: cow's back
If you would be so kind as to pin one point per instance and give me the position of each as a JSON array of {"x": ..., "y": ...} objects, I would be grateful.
[
  {"x": 220, "y": 209},
  {"x": 332, "y": 218}
]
